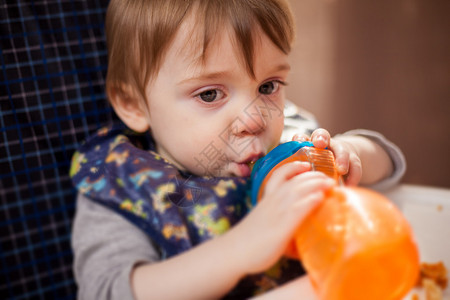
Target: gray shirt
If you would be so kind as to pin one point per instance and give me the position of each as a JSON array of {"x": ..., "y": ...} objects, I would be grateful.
[{"x": 106, "y": 248}]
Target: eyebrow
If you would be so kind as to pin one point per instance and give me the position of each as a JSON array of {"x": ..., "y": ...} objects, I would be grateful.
[
  {"x": 213, "y": 75},
  {"x": 282, "y": 67},
  {"x": 221, "y": 74}
]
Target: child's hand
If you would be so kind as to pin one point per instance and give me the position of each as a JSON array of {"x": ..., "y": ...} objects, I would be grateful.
[
  {"x": 289, "y": 196},
  {"x": 348, "y": 162}
]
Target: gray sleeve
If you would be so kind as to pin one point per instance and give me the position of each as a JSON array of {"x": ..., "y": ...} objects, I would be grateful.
[
  {"x": 300, "y": 121},
  {"x": 106, "y": 248},
  {"x": 394, "y": 152}
]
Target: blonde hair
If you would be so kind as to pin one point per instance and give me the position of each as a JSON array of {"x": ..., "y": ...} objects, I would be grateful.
[{"x": 138, "y": 32}]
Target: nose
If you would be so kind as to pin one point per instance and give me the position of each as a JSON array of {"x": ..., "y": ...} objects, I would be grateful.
[{"x": 251, "y": 120}]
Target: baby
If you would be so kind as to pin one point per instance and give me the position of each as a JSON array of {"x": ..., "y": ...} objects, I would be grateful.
[{"x": 162, "y": 210}]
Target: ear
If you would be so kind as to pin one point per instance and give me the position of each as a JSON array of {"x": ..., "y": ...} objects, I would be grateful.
[{"x": 129, "y": 107}]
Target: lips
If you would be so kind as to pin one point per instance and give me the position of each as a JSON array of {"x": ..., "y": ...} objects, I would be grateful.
[{"x": 245, "y": 166}]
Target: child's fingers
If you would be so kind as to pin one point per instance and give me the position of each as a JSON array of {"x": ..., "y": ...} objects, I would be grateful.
[
  {"x": 355, "y": 171},
  {"x": 306, "y": 191},
  {"x": 309, "y": 201},
  {"x": 321, "y": 138},
  {"x": 304, "y": 207},
  {"x": 286, "y": 172},
  {"x": 342, "y": 157},
  {"x": 310, "y": 183}
]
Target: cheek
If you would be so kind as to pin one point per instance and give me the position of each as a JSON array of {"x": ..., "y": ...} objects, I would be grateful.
[
  {"x": 204, "y": 137},
  {"x": 276, "y": 126},
  {"x": 190, "y": 139}
]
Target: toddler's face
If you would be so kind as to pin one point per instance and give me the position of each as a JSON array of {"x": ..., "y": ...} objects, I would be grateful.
[{"x": 214, "y": 118}]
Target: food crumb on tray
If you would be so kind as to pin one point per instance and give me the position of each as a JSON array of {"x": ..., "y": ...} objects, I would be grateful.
[{"x": 433, "y": 279}]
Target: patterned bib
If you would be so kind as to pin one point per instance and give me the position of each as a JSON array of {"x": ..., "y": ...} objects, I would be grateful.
[{"x": 120, "y": 169}]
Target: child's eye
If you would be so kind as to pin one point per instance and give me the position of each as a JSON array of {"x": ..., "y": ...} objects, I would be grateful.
[
  {"x": 270, "y": 87},
  {"x": 210, "y": 95}
]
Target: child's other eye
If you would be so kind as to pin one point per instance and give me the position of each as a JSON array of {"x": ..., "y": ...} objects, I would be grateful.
[
  {"x": 210, "y": 95},
  {"x": 270, "y": 87}
]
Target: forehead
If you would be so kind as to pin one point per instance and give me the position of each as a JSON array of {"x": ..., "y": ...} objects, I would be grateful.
[{"x": 195, "y": 46}]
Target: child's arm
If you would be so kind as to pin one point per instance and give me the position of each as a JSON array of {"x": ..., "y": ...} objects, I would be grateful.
[
  {"x": 299, "y": 288},
  {"x": 374, "y": 163},
  {"x": 213, "y": 268},
  {"x": 106, "y": 246}
]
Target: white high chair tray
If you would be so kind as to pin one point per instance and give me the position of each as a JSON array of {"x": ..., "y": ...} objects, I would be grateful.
[{"x": 428, "y": 211}]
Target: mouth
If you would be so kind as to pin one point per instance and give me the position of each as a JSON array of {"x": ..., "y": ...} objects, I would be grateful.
[
  {"x": 246, "y": 165},
  {"x": 251, "y": 165},
  {"x": 251, "y": 159}
]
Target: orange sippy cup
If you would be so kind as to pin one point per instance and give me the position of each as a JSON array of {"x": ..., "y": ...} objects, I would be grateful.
[{"x": 356, "y": 245}]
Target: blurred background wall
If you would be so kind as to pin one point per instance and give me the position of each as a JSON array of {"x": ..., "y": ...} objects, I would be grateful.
[{"x": 382, "y": 65}]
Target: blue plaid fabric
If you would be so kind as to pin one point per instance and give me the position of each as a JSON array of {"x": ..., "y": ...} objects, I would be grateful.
[{"x": 53, "y": 65}]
